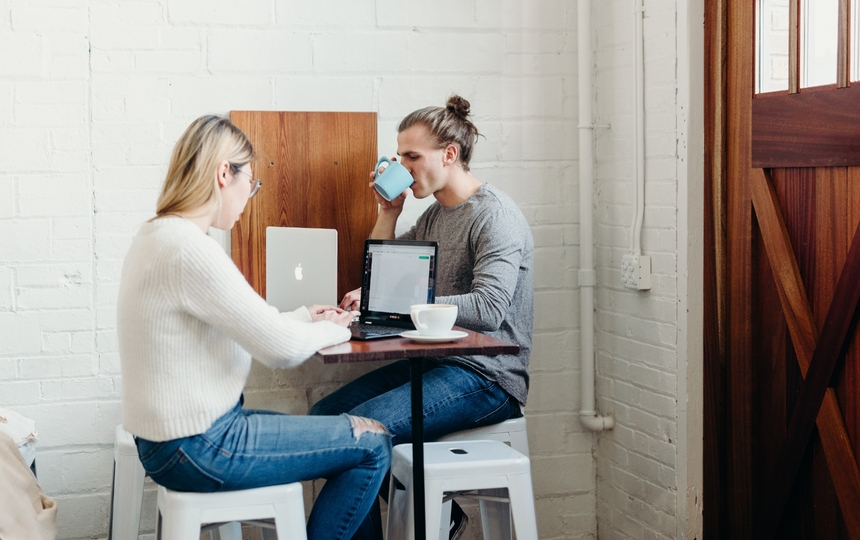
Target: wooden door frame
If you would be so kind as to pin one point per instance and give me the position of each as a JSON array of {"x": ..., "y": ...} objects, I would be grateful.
[{"x": 715, "y": 316}]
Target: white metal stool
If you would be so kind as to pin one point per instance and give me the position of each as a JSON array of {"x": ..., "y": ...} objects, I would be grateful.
[
  {"x": 127, "y": 496},
  {"x": 490, "y": 471},
  {"x": 128, "y": 475},
  {"x": 181, "y": 514},
  {"x": 513, "y": 432}
]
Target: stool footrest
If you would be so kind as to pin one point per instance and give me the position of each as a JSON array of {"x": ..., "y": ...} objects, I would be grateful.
[
  {"x": 474, "y": 496},
  {"x": 210, "y": 526},
  {"x": 262, "y": 523}
]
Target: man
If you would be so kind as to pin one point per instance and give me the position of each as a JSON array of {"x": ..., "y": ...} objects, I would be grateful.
[{"x": 486, "y": 256}]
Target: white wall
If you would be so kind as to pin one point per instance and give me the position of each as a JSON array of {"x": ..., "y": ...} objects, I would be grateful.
[
  {"x": 93, "y": 94},
  {"x": 648, "y": 344}
]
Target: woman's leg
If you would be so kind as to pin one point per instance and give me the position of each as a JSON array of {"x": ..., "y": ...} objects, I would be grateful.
[{"x": 242, "y": 451}]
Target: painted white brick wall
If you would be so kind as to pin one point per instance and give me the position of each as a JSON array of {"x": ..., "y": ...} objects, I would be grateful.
[
  {"x": 93, "y": 94},
  {"x": 637, "y": 332},
  {"x": 89, "y": 112}
]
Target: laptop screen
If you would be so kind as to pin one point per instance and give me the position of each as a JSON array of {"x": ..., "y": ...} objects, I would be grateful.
[{"x": 397, "y": 275}]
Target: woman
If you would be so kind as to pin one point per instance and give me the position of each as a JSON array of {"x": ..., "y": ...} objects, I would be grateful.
[{"x": 188, "y": 325}]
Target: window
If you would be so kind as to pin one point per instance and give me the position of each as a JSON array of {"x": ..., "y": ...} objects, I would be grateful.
[
  {"x": 772, "y": 46},
  {"x": 819, "y": 35}
]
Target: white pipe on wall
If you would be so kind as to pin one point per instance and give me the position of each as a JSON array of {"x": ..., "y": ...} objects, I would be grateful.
[
  {"x": 639, "y": 129},
  {"x": 588, "y": 414}
]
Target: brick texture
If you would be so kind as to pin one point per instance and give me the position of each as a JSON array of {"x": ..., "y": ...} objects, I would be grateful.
[
  {"x": 93, "y": 94},
  {"x": 636, "y": 332}
]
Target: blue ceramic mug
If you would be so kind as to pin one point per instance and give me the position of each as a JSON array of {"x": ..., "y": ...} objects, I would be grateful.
[{"x": 393, "y": 180}]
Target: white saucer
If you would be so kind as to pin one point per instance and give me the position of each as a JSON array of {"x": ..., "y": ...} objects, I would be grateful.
[{"x": 453, "y": 335}]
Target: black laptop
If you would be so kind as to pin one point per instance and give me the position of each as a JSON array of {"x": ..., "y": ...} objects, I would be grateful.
[{"x": 396, "y": 275}]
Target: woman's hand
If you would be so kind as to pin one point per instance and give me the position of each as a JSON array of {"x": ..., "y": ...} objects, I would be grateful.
[
  {"x": 351, "y": 300},
  {"x": 332, "y": 313}
]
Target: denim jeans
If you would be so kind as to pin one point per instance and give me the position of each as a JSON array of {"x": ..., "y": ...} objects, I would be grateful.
[
  {"x": 251, "y": 448},
  {"x": 455, "y": 398}
]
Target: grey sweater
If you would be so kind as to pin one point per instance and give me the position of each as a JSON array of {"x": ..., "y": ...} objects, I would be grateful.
[{"x": 485, "y": 267}]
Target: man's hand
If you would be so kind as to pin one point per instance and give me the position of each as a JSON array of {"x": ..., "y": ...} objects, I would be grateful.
[
  {"x": 351, "y": 300},
  {"x": 395, "y": 205},
  {"x": 331, "y": 313}
]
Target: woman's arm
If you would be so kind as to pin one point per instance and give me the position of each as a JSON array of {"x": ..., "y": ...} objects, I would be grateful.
[{"x": 213, "y": 290}]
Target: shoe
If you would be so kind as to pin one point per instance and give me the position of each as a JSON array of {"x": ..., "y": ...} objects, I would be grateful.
[{"x": 459, "y": 520}]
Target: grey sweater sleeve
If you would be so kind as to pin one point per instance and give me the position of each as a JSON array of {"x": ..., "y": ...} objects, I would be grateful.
[{"x": 498, "y": 248}]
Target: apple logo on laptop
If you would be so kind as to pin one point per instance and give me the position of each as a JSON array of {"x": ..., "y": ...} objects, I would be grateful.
[{"x": 299, "y": 272}]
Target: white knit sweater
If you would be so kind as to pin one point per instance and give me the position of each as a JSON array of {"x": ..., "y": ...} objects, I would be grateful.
[{"x": 188, "y": 324}]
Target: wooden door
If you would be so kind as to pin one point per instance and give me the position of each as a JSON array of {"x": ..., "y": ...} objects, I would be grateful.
[
  {"x": 782, "y": 359},
  {"x": 315, "y": 168}
]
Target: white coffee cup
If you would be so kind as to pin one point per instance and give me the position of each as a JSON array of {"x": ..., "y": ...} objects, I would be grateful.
[{"x": 433, "y": 320}]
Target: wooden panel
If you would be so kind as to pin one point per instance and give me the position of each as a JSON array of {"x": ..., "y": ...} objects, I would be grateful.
[
  {"x": 714, "y": 469},
  {"x": 848, "y": 384},
  {"x": 814, "y": 128},
  {"x": 832, "y": 240},
  {"x": 769, "y": 352},
  {"x": 778, "y": 231},
  {"x": 315, "y": 169},
  {"x": 833, "y": 334},
  {"x": 794, "y": 193},
  {"x": 739, "y": 84},
  {"x": 832, "y": 237},
  {"x": 792, "y": 295}
]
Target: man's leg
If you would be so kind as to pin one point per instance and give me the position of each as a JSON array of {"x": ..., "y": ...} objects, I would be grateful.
[
  {"x": 364, "y": 388},
  {"x": 455, "y": 398}
]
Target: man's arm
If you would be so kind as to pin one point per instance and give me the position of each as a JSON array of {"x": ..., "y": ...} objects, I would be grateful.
[
  {"x": 386, "y": 222},
  {"x": 499, "y": 245}
]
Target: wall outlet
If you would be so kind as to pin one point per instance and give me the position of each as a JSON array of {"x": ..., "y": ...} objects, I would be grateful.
[{"x": 636, "y": 272}]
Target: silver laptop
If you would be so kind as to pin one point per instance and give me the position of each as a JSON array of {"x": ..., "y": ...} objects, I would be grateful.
[{"x": 301, "y": 267}]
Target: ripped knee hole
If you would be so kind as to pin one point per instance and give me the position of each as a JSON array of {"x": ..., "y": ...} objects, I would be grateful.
[{"x": 361, "y": 425}]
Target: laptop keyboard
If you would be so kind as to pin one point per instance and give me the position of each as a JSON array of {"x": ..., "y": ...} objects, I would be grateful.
[{"x": 375, "y": 329}]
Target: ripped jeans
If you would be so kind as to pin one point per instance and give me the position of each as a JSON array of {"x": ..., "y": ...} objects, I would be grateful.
[{"x": 252, "y": 448}]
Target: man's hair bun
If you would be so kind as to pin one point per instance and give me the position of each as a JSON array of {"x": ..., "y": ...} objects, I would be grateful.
[{"x": 458, "y": 106}]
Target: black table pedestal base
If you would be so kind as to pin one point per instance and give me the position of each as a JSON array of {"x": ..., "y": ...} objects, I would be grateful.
[{"x": 418, "y": 448}]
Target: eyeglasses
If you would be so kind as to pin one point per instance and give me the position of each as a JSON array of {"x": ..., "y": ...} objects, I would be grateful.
[{"x": 256, "y": 183}]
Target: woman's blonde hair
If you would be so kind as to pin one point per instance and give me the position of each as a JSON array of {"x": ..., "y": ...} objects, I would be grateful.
[
  {"x": 192, "y": 180},
  {"x": 447, "y": 125}
]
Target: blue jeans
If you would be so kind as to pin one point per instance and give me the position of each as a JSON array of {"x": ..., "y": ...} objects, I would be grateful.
[
  {"x": 252, "y": 448},
  {"x": 455, "y": 398}
]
